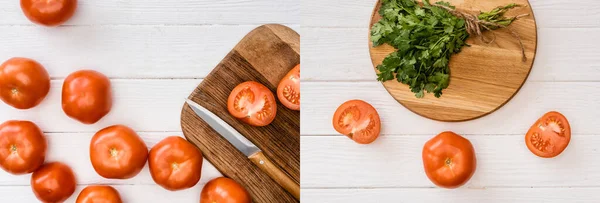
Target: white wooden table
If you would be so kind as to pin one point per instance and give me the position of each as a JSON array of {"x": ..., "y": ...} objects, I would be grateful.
[
  {"x": 155, "y": 53},
  {"x": 337, "y": 67}
]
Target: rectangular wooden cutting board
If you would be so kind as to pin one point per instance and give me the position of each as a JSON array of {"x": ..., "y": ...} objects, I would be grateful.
[{"x": 264, "y": 55}]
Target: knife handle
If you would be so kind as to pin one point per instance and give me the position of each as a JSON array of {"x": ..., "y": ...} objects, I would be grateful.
[{"x": 260, "y": 160}]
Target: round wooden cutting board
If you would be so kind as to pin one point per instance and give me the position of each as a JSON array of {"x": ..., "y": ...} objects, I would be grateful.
[{"x": 483, "y": 77}]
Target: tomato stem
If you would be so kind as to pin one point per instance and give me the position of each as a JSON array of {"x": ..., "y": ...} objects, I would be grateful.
[
  {"x": 13, "y": 148},
  {"x": 114, "y": 152},
  {"x": 175, "y": 166},
  {"x": 448, "y": 161},
  {"x": 14, "y": 90}
]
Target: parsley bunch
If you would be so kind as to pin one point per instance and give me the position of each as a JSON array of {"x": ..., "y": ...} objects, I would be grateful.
[{"x": 425, "y": 36}]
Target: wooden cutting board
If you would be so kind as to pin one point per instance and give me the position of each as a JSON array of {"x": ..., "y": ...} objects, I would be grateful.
[
  {"x": 484, "y": 77},
  {"x": 265, "y": 55}
]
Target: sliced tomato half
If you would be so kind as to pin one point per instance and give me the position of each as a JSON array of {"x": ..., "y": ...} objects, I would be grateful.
[
  {"x": 549, "y": 135},
  {"x": 288, "y": 90},
  {"x": 253, "y": 103},
  {"x": 358, "y": 120}
]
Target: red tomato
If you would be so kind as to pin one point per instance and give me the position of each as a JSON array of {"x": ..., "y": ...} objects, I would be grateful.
[
  {"x": 288, "y": 90},
  {"x": 99, "y": 194},
  {"x": 175, "y": 164},
  {"x": 358, "y": 120},
  {"x": 224, "y": 190},
  {"x": 549, "y": 135},
  {"x": 24, "y": 83},
  {"x": 48, "y": 12},
  {"x": 86, "y": 96},
  {"x": 253, "y": 103},
  {"x": 53, "y": 182},
  {"x": 449, "y": 160},
  {"x": 23, "y": 147},
  {"x": 117, "y": 152}
]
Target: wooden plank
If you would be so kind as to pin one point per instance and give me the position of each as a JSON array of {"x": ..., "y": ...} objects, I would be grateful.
[
  {"x": 90, "y": 12},
  {"x": 120, "y": 51},
  {"x": 73, "y": 149},
  {"x": 129, "y": 193},
  {"x": 577, "y": 100},
  {"x": 340, "y": 13},
  {"x": 156, "y": 105},
  {"x": 265, "y": 55},
  {"x": 337, "y": 57},
  {"x": 144, "y": 105},
  {"x": 490, "y": 195},
  {"x": 151, "y": 193},
  {"x": 395, "y": 161},
  {"x": 142, "y": 51}
]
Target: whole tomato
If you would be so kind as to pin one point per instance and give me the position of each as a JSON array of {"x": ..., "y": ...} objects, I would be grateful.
[
  {"x": 117, "y": 152},
  {"x": 86, "y": 96},
  {"x": 449, "y": 160},
  {"x": 175, "y": 164},
  {"x": 224, "y": 190},
  {"x": 53, "y": 182},
  {"x": 48, "y": 12},
  {"x": 24, "y": 147},
  {"x": 99, "y": 194},
  {"x": 24, "y": 83}
]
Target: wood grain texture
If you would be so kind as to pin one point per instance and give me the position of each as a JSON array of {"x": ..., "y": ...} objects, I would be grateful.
[
  {"x": 263, "y": 56},
  {"x": 266, "y": 165},
  {"x": 483, "y": 77}
]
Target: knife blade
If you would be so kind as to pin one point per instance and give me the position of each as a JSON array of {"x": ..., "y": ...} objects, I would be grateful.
[{"x": 245, "y": 146}]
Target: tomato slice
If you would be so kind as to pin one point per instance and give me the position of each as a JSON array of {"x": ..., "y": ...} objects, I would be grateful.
[
  {"x": 358, "y": 120},
  {"x": 288, "y": 90},
  {"x": 549, "y": 135},
  {"x": 253, "y": 103}
]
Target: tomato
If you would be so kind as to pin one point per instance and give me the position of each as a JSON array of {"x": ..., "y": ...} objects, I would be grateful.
[
  {"x": 358, "y": 120},
  {"x": 48, "y": 12},
  {"x": 22, "y": 147},
  {"x": 86, "y": 96},
  {"x": 53, "y": 182},
  {"x": 175, "y": 164},
  {"x": 24, "y": 83},
  {"x": 224, "y": 190},
  {"x": 288, "y": 90},
  {"x": 99, "y": 194},
  {"x": 549, "y": 135},
  {"x": 253, "y": 103},
  {"x": 117, "y": 152},
  {"x": 449, "y": 160}
]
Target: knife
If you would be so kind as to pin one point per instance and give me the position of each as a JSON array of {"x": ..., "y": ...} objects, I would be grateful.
[{"x": 247, "y": 148}]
